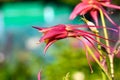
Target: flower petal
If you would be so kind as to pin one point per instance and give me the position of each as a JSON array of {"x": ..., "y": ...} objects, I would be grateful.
[
  {"x": 94, "y": 14},
  {"x": 81, "y": 32},
  {"x": 48, "y": 44},
  {"x": 41, "y": 29},
  {"x": 54, "y": 34},
  {"x": 111, "y": 6},
  {"x": 85, "y": 10},
  {"x": 97, "y": 41},
  {"x": 78, "y": 9},
  {"x": 87, "y": 56}
]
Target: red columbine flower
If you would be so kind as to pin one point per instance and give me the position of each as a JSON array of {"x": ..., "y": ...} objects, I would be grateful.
[
  {"x": 93, "y": 6},
  {"x": 61, "y": 31},
  {"x": 52, "y": 34}
]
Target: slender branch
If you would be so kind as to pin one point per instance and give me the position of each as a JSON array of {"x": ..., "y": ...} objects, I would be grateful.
[
  {"x": 110, "y": 55},
  {"x": 99, "y": 46},
  {"x": 94, "y": 30},
  {"x": 98, "y": 62},
  {"x": 94, "y": 57},
  {"x": 104, "y": 29}
]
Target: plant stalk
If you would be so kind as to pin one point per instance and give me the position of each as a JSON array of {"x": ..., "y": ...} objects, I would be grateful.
[
  {"x": 94, "y": 57},
  {"x": 107, "y": 44},
  {"x": 91, "y": 53},
  {"x": 104, "y": 30}
]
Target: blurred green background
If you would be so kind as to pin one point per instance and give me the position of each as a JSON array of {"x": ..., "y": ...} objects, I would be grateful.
[{"x": 21, "y": 58}]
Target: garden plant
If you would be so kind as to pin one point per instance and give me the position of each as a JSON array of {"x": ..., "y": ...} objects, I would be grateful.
[{"x": 97, "y": 36}]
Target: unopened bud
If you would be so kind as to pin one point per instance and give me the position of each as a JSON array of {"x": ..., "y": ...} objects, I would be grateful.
[{"x": 91, "y": 25}]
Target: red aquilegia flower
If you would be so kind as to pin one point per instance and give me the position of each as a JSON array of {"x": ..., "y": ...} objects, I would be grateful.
[
  {"x": 52, "y": 34},
  {"x": 93, "y": 6},
  {"x": 61, "y": 31}
]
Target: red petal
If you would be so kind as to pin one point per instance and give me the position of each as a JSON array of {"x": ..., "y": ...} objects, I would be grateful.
[
  {"x": 94, "y": 14},
  {"x": 87, "y": 55},
  {"x": 42, "y": 29},
  {"x": 111, "y": 6},
  {"x": 86, "y": 10},
  {"x": 81, "y": 32},
  {"x": 39, "y": 28},
  {"x": 54, "y": 34},
  {"x": 105, "y": 27},
  {"x": 78, "y": 9},
  {"x": 97, "y": 41},
  {"x": 48, "y": 44}
]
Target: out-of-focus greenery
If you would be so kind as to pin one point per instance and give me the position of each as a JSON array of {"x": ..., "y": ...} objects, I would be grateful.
[{"x": 21, "y": 66}]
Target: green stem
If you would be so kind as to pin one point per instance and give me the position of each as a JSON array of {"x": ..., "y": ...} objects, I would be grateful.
[
  {"x": 104, "y": 30},
  {"x": 94, "y": 57},
  {"x": 101, "y": 58},
  {"x": 111, "y": 57},
  {"x": 99, "y": 47},
  {"x": 107, "y": 44},
  {"x": 91, "y": 53}
]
